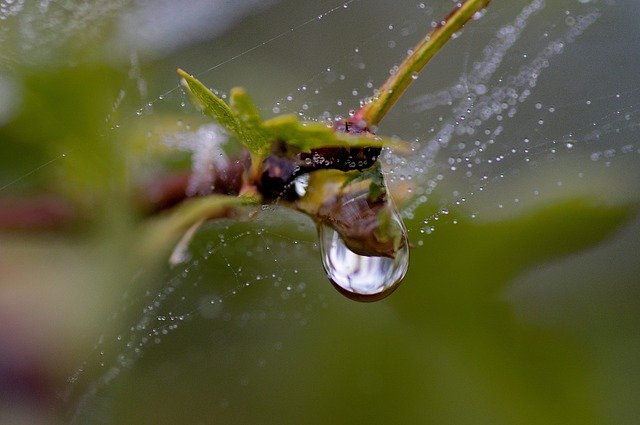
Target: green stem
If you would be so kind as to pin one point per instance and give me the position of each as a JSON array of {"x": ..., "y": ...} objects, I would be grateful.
[{"x": 372, "y": 113}]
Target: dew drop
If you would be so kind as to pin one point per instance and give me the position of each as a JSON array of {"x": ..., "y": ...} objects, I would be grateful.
[
  {"x": 300, "y": 184},
  {"x": 361, "y": 277}
]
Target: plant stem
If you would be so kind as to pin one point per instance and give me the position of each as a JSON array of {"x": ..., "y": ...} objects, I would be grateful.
[{"x": 372, "y": 113}]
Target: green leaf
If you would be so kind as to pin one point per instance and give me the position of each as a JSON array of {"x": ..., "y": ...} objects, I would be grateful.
[
  {"x": 253, "y": 135},
  {"x": 244, "y": 106},
  {"x": 242, "y": 119},
  {"x": 377, "y": 188},
  {"x": 212, "y": 105},
  {"x": 495, "y": 253},
  {"x": 373, "y": 176},
  {"x": 312, "y": 135}
]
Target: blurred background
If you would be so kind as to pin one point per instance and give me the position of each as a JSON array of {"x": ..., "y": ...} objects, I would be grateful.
[{"x": 520, "y": 194}]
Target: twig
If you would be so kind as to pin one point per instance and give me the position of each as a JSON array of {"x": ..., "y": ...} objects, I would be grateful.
[{"x": 372, "y": 113}]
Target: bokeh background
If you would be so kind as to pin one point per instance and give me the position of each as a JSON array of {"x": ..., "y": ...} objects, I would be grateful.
[{"x": 522, "y": 300}]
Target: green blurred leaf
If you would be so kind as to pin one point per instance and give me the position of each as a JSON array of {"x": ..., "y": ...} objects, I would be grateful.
[
  {"x": 162, "y": 233},
  {"x": 61, "y": 123},
  {"x": 472, "y": 262}
]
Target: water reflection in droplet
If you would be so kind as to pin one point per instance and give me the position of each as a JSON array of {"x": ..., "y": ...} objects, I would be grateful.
[
  {"x": 300, "y": 184},
  {"x": 360, "y": 277}
]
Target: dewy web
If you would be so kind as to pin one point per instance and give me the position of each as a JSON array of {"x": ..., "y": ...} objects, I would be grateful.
[{"x": 469, "y": 138}]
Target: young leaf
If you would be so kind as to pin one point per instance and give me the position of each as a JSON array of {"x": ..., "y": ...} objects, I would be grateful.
[
  {"x": 314, "y": 135},
  {"x": 211, "y": 104},
  {"x": 373, "y": 177},
  {"x": 242, "y": 119},
  {"x": 253, "y": 135}
]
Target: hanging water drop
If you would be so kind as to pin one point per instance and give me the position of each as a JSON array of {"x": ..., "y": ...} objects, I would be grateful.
[{"x": 362, "y": 277}]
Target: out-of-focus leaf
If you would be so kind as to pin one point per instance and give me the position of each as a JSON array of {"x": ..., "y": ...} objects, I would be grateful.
[
  {"x": 58, "y": 140},
  {"x": 474, "y": 261},
  {"x": 160, "y": 234}
]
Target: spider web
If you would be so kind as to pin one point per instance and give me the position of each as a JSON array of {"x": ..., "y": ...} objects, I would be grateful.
[{"x": 530, "y": 104}]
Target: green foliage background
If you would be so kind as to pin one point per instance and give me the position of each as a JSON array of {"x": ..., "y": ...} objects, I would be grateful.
[{"x": 523, "y": 316}]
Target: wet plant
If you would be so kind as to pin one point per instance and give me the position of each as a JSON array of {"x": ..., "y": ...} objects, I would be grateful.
[{"x": 329, "y": 173}]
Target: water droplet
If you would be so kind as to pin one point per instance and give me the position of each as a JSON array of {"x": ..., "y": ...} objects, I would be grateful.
[
  {"x": 361, "y": 277},
  {"x": 300, "y": 184}
]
